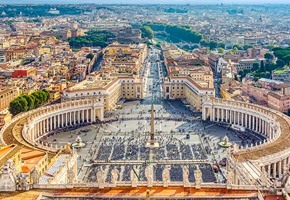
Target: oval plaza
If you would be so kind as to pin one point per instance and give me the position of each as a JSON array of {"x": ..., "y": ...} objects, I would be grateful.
[{"x": 158, "y": 142}]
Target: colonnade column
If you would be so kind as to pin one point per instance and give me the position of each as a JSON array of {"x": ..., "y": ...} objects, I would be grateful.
[
  {"x": 51, "y": 128},
  {"x": 274, "y": 170},
  {"x": 250, "y": 122},
  {"x": 227, "y": 115},
  {"x": 46, "y": 125},
  {"x": 212, "y": 115},
  {"x": 38, "y": 128},
  {"x": 67, "y": 119},
  {"x": 87, "y": 110},
  {"x": 203, "y": 113},
  {"x": 94, "y": 114},
  {"x": 279, "y": 168},
  {"x": 79, "y": 115},
  {"x": 269, "y": 169},
  {"x": 71, "y": 118},
  {"x": 234, "y": 113},
  {"x": 83, "y": 115},
  {"x": 41, "y": 127},
  {"x": 243, "y": 115},
  {"x": 283, "y": 165},
  {"x": 264, "y": 127}
]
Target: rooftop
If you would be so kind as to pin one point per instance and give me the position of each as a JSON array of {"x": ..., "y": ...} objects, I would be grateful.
[
  {"x": 270, "y": 81},
  {"x": 53, "y": 169},
  {"x": 281, "y": 71},
  {"x": 4, "y": 151}
]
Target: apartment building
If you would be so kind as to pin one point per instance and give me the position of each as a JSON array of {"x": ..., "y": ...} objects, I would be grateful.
[
  {"x": 186, "y": 78},
  {"x": 118, "y": 77},
  {"x": 267, "y": 92},
  {"x": 186, "y": 88},
  {"x": 281, "y": 75},
  {"x": 20, "y": 52},
  {"x": 246, "y": 64},
  {"x": 6, "y": 96},
  {"x": 107, "y": 89}
]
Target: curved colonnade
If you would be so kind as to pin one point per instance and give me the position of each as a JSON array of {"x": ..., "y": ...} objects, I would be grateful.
[
  {"x": 33, "y": 125},
  {"x": 274, "y": 154}
]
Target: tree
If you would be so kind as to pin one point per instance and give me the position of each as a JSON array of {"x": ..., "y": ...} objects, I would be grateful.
[
  {"x": 268, "y": 56},
  {"x": 18, "y": 105},
  {"x": 221, "y": 50},
  {"x": 15, "y": 107},
  {"x": 30, "y": 100},
  {"x": 27, "y": 102},
  {"x": 147, "y": 32},
  {"x": 247, "y": 46},
  {"x": 39, "y": 98},
  {"x": 23, "y": 103},
  {"x": 255, "y": 66},
  {"x": 262, "y": 67},
  {"x": 58, "y": 36},
  {"x": 287, "y": 59},
  {"x": 90, "y": 56},
  {"x": 177, "y": 33},
  {"x": 237, "y": 47},
  {"x": 47, "y": 94},
  {"x": 221, "y": 45},
  {"x": 280, "y": 63},
  {"x": 282, "y": 54},
  {"x": 93, "y": 38},
  {"x": 212, "y": 45}
]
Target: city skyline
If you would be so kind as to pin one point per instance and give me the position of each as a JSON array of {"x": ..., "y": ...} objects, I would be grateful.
[
  {"x": 139, "y": 99},
  {"x": 146, "y": 2}
]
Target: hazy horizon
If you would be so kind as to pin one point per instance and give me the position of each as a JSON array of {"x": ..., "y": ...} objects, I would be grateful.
[{"x": 145, "y": 1}]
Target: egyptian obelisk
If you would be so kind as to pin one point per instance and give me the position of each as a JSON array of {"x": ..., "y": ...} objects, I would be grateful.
[{"x": 152, "y": 142}]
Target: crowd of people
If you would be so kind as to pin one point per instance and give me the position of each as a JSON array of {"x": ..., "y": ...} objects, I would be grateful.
[{"x": 247, "y": 137}]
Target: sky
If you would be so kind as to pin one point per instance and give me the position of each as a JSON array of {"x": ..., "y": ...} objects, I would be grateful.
[{"x": 145, "y": 1}]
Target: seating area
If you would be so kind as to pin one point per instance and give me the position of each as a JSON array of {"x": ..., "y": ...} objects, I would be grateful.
[
  {"x": 130, "y": 148},
  {"x": 119, "y": 151},
  {"x": 176, "y": 172}
]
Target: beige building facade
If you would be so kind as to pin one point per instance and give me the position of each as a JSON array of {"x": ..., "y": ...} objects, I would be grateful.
[
  {"x": 6, "y": 96},
  {"x": 114, "y": 90},
  {"x": 186, "y": 88}
]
